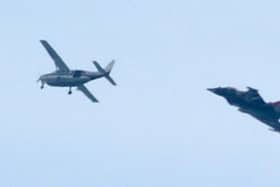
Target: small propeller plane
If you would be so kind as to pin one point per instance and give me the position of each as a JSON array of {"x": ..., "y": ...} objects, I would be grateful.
[{"x": 65, "y": 77}]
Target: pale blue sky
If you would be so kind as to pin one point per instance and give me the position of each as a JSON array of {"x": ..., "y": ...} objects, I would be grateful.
[{"x": 159, "y": 126}]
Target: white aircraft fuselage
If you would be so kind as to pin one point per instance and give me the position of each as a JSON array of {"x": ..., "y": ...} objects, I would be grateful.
[{"x": 69, "y": 79}]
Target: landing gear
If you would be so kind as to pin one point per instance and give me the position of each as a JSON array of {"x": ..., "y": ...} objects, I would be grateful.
[
  {"x": 70, "y": 91},
  {"x": 42, "y": 85}
]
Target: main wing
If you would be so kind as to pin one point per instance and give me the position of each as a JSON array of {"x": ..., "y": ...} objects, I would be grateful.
[
  {"x": 60, "y": 65},
  {"x": 87, "y": 93},
  {"x": 274, "y": 124}
]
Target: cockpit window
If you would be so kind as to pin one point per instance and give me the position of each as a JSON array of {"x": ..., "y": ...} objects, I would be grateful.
[{"x": 77, "y": 73}]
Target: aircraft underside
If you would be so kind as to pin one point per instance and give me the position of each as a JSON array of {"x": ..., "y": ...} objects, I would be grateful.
[
  {"x": 65, "y": 83},
  {"x": 272, "y": 122}
]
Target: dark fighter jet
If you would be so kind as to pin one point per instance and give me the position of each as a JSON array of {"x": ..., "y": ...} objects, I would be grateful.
[{"x": 250, "y": 102}]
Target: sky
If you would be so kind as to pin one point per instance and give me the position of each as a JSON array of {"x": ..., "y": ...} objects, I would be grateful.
[{"x": 159, "y": 126}]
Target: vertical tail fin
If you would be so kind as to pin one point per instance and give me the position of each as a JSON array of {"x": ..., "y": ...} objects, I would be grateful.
[
  {"x": 110, "y": 66},
  {"x": 106, "y": 72}
]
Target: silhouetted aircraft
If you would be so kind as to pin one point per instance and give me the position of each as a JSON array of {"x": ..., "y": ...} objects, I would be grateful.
[{"x": 250, "y": 102}]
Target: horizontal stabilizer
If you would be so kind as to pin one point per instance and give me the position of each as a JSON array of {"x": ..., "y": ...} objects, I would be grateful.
[
  {"x": 111, "y": 80},
  {"x": 106, "y": 72}
]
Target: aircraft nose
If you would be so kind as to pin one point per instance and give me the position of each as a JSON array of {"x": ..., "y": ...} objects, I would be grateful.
[
  {"x": 42, "y": 78},
  {"x": 212, "y": 90},
  {"x": 217, "y": 91}
]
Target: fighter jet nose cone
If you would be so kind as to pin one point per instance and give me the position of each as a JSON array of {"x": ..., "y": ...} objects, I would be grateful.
[
  {"x": 217, "y": 91},
  {"x": 211, "y": 90}
]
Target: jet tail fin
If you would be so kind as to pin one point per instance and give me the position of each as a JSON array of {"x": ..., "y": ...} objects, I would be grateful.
[{"x": 106, "y": 71}]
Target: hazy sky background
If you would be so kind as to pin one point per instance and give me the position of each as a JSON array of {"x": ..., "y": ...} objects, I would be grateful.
[{"x": 159, "y": 126}]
